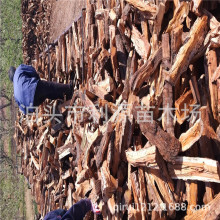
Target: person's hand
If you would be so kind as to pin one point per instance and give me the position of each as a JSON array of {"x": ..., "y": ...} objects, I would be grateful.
[{"x": 95, "y": 208}]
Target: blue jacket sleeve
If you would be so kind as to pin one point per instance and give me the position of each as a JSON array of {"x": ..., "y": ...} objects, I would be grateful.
[
  {"x": 31, "y": 72},
  {"x": 78, "y": 210},
  {"x": 21, "y": 107}
]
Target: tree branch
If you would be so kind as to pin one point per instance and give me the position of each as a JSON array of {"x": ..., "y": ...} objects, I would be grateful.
[{"x": 6, "y": 105}]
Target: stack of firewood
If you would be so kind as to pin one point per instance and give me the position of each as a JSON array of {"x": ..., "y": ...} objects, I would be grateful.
[
  {"x": 141, "y": 134},
  {"x": 35, "y": 27}
]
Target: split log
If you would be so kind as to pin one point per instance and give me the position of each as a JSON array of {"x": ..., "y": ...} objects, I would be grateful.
[
  {"x": 145, "y": 72},
  {"x": 209, "y": 212},
  {"x": 167, "y": 144},
  {"x": 109, "y": 184},
  {"x": 103, "y": 145},
  {"x": 144, "y": 7},
  {"x": 143, "y": 157},
  {"x": 193, "y": 168},
  {"x": 141, "y": 44},
  {"x": 179, "y": 16},
  {"x": 184, "y": 106},
  {"x": 189, "y": 49},
  {"x": 191, "y": 136},
  {"x": 136, "y": 190},
  {"x": 212, "y": 66}
]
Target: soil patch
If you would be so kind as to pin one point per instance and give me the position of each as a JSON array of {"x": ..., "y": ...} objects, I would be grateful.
[
  {"x": 64, "y": 12},
  {"x": 29, "y": 204}
]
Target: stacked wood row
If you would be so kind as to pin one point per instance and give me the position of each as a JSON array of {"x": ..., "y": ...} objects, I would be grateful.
[
  {"x": 141, "y": 134},
  {"x": 35, "y": 27}
]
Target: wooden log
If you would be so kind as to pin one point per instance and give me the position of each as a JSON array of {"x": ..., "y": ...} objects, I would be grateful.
[
  {"x": 206, "y": 149},
  {"x": 102, "y": 58},
  {"x": 143, "y": 200},
  {"x": 191, "y": 186},
  {"x": 63, "y": 60},
  {"x": 196, "y": 6},
  {"x": 141, "y": 177},
  {"x": 180, "y": 14},
  {"x": 42, "y": 138},
  {"x": 163, "y": 174},
  {"x": 119, "y": 135},
  {"x": 209, "y": 212},
  {"x": 121, "y": 55},
  {"x": 192, "y": 196},
  {"x": 146, "y": 7},
  {"x": 100, "y": 13},
  {"x": 103, "y": 145},
  {"x": 143, "y": 157},
  {"x": 159, "y": 18},
  {"x": 153, "y": 194},
  {"x": 213, "y": 91},
  {"x": 109, "y": 184},
  {"x": 76, "y": 43},
  {"x": 58, "y": 58},
  {"x": 126, "y": 90},
  {"x": 190, "y": 137},
  {"x": 82, "y": 189},
  {"x": 135, "y": 188},
  {"x": 69, "y": 39},
  {"x": 111, "y": 205},
  {"x": 145, "y": 36},
  {"x": 195, "y": 90},
  {"x": 167, "y": 120},
  {"x": 189, "y": 49},
  {"x": 66, "y": 174},
  {"x": 35, "y": 161},
  {"x": 195, "y": 168},
  {"x": 91, "y": 107},
  {"x": 111, "y": 107},
  {"x": 99, "y": 92},
  {"x": 164, "y": 190},
  {"x": 125, "y": 34},
  {"x": 107, "y": 84},
  {"x": 176, "y": 41},
  {"x": 184, "y": 105},
  {"x": 44, "y": 157},
  {"x": 69, "y": 200},
  {"x": 101, "y": 32},
  {"x": 146, "y": 71},
  {"x": 216, "y": 75},
  {"x": 153, "y": 130},
  {"x": 166, "y": 50},
  {"x": 113, "y": 50},
  {"x": 140, "y": 43},
  {"x": 65, "y": 151}
]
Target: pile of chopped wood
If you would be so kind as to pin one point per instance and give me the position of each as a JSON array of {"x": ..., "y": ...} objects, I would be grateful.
[
  {"x": 35, "y": 27},
  {"x": 141, "y": 134}
]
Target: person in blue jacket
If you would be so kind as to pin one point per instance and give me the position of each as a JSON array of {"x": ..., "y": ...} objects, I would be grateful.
[
  {"x": 76, "y": 212},
  {"x": 31, "y": 91}
]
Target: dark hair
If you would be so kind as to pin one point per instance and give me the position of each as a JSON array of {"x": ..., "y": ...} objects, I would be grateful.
[{"x": 11, "y": 73}]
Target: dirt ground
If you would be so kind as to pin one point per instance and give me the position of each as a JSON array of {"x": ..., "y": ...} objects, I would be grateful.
[
  {"x": 29, "y": 204},
  {"x": 64, "y": 12}
]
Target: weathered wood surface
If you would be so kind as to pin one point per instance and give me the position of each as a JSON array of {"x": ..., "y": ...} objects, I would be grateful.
[
  {"x": 167, "y": 144},
  {"x": 191, "y": 136},
  {"x": 189, "y": 49},
  {"x": 210, "y": 212},
  {"x": 142, "y": 157},
  {"x": 189, "y": 168}
]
